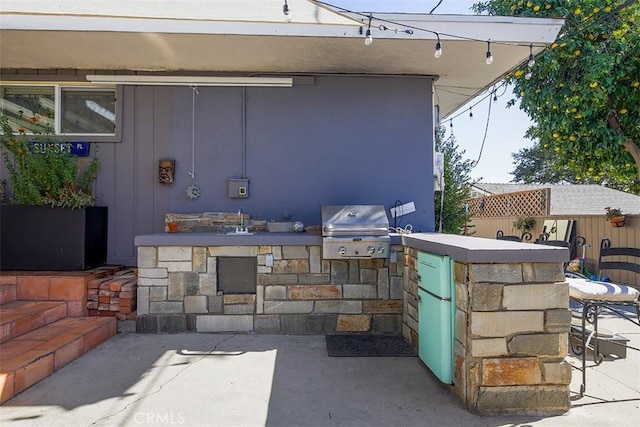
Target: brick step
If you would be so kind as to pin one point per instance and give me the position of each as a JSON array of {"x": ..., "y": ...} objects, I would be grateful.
[
  {"x": 7, "y": 292},
  {"x": 31, "y": 357},
  {"x": 21, "y": 317}
]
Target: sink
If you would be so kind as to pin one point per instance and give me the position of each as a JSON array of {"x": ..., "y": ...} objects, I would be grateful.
[{"x": 240, "y": 232}]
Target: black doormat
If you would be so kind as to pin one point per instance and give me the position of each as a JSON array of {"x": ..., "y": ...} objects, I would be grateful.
[{"x": 368, "y": 346}]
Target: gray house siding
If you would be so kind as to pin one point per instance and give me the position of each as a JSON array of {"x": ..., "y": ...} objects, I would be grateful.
[{"x": 326, "y": 140}]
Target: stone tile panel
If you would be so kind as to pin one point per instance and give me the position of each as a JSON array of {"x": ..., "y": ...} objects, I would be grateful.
[
  {"x": 353, "y": 323},
  {"x": 511, "y": 371},
  {"x": 382, "y": 307},
  {"x": 313, "y": 292},
  {"x": 339, "y": 307},
  {"x": 495, "y": 273},
  {"x": 536, "y": 297},
  {"x": 505, "y": 323}
]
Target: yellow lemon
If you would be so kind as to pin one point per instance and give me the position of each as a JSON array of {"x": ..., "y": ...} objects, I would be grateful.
[
  {"x": 578, "y": 116},
  {"x": 596, "y": 9},
  {"x": 547, "y": 6},
  {"x": 607, "y": 9},
  {"x": 545, "y": 145},
  {"x": 574, "y": 109},
  {"x": 522, "y": 93},
  {"x": 529, "y": 4},
  {"x": 577, "y": 52},
  {"x": 593, "y": 85},
  {"x": 563, "y": 44},
  {"x": 519, "y": 73},
  {"x": 590, "y": 169},
  {"x": 635, "y": 84},
  {"x": 623, "y": 111},
  {"x": 557, "y": 149},
  {"x": 513, "y": 7},
  {"x": 556, "y": 135},
  {"x": 578, "y": 11},
  {"x": 554, "y": 45},
  {"x": 572, "y": 138},
  {"x": 536, "y": 8},
  {"x": 555, "y": 107}
]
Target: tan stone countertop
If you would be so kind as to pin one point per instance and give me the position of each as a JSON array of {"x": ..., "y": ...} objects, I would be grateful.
[
  {"x": 215, "y": 239},
  {"x": 481, "y": 250}
]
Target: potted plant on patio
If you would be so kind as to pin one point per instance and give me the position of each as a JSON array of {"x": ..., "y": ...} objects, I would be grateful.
[
  {"x": 615, "y": 216},
  {"x": 51, "y": 222},
  {"x": 524, "y": 224}
]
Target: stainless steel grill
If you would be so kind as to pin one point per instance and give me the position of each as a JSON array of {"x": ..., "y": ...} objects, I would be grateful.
[{"x": 355, "y": 231}]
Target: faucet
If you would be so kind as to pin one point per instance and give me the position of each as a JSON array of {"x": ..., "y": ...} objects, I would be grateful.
[{"x": 241, "y": 220}]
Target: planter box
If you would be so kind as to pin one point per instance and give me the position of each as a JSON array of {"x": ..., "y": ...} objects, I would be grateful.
[{"x": 44, "y": 238}]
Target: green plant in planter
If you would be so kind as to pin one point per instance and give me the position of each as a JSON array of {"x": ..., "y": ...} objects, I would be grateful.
[
  {"x": 524, "y": 223},
  {"x": 49, "y": 176},
  {"x": 612, "y": 213}
]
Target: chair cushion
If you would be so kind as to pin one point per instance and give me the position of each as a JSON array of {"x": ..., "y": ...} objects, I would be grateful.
[{"x": 605, "y": 291}]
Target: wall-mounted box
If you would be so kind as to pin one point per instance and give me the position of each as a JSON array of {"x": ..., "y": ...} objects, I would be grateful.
[{"x": 238, "y": 187}]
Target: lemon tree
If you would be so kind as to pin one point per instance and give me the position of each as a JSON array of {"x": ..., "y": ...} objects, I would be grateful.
[{"x": 583, "y": 92}]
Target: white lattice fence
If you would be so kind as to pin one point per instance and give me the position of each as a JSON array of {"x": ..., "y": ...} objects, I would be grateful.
[{"x": 522, "y": 203}]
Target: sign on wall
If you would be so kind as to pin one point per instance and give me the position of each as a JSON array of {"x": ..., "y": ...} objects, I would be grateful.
[{"x": 80, "y": 149}]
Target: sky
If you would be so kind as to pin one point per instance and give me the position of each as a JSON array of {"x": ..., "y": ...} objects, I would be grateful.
[{"x": 507, "y": 126}]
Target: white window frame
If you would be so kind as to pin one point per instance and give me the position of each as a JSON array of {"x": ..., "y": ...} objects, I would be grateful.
[{"x": 115, "y": 136}]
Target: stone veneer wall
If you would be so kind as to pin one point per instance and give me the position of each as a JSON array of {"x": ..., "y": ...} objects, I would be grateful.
[
  {"x": 511, "y": 335},
  {"x": 300, "y": 294}
]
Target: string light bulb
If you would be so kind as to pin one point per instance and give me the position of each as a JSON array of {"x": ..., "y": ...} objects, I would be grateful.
[
  {"x": 528, "y": 75},
  {"x": 368, "y": 38},
  {"x": 438, "y": 52},
  {"x": 489, "y": 59},
  {"x": 532, "y": 59},
  {"x": 286, "y": 11}
]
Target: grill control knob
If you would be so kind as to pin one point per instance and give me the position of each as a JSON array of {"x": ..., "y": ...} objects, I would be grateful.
[
  {"x": 381, "y": 250},
  {"x": 342, "y": 250},
  {"x": 371, "y": 250}
]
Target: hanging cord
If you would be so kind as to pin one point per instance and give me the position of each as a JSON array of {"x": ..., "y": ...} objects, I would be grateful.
[
  {"x": 486, "y": 131},
  {"x": 193, "y": 131}
]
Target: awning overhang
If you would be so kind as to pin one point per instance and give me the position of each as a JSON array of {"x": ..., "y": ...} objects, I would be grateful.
[{"x": 317, "y": 41}]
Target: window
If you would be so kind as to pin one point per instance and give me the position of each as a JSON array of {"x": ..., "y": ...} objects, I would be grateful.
[{"x": 74, "y": 113}]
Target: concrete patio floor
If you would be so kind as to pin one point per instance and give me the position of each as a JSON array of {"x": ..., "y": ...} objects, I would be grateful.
[{"x": 274, "y": 380}]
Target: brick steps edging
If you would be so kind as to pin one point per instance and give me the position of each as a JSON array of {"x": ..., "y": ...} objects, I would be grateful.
[
  {"x": 21, "y": 317},
  {"x": 29, "y": 358}
]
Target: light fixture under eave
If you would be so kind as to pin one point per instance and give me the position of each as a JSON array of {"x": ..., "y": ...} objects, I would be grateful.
[
  {"x": 286, "y": 11},
  {"x": 368, "y": 38},
  {"x": 489, "y": 59},
  {"x": 438, "y": 52},
  {"x": 191, "y": 80},
  {"x": 532, "y": 59}
]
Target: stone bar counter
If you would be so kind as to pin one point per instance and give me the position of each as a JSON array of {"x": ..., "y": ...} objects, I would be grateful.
[{"x": 512, "y": 322}]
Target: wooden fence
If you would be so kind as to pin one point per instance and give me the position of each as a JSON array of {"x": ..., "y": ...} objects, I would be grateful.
[{"x": 592, "y": 227}]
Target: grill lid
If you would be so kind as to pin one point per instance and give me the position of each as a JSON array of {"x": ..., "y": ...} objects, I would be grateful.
[{"x": 353, "y": 220}]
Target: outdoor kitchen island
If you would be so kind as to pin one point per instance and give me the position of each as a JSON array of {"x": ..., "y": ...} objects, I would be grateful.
[
  {"x": 511, "y": 303},
  {"x": 187, "y": 282}
]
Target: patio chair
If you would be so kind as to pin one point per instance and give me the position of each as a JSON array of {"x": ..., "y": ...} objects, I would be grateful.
[{"x": 525, "y": 237}]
